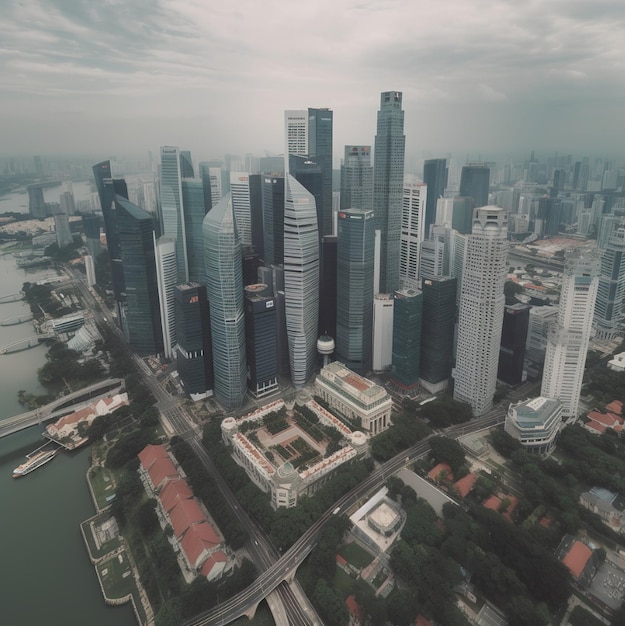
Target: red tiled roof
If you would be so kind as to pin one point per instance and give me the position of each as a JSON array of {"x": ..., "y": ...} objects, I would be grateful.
[
  {"x": 421, "y": 621},
  {"x": 465, "y": 484},
  {"x": 199, "y": 540},
  {"x": 616, "y": 406},
  {"x": 577, "y": 557},
  {"x": 150, "y": 453},
  {"x": 600, "y": 428},
  {"x": 212, "y": 561},
  {"x": 354, "y": 608},
  {"x": 603, "y": 418},
  {"x": 494, "y": 502},
  {"x": 435, "y": 472},
  {"x": 340, "y": 560},
  {"x": 184, "y": 515},
  {"x": 161, "y": 470},
  {"x": 173, "y": 492}
]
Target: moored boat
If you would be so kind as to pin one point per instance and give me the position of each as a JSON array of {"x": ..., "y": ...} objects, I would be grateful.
[{"x": 35, "y": 460}]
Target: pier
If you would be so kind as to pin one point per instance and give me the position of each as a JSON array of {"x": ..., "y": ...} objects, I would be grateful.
[
  {"x": 12, "y": 297},
  {"x": 14, "y": 321},
  {"x": 25, "y": 344}
]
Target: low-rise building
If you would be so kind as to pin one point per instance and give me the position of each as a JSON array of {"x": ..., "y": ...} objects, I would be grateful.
[
  {"x": 609, "y": 506},
  {"x": 535, "y": 423},
  {"x": 358, "y": 399},
  {"x": 617, "y": 363}
]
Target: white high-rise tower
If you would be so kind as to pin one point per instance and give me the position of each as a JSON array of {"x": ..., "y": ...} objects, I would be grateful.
[
  {"x": 567, "y": 343},
  {"x": 166, "y": 274},
  {"x": 481, "y": 309},
  {"x": 414, "y": 200},
  {"x": 295, "y": 134}
]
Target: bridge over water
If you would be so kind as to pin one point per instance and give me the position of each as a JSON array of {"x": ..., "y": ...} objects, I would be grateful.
[{"x": 61, "y": 406}]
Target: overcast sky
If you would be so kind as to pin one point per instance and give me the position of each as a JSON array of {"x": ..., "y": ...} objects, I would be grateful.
[{"x": 479, "y": 77}]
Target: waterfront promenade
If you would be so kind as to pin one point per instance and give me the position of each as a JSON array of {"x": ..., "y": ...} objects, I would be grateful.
[{"x": 59, "y": 407}]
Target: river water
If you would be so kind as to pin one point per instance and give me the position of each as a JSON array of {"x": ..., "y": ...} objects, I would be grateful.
[{"x": 46, "y": 576}]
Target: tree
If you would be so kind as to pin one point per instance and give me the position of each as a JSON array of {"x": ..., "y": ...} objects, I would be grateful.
[{"x": 446, "y": 450}]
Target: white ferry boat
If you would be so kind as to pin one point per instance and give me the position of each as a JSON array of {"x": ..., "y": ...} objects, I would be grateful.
[{"x": 35, "y": 460}]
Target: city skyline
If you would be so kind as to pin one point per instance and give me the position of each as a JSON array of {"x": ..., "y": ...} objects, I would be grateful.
[{"x": 102, "y": 77}]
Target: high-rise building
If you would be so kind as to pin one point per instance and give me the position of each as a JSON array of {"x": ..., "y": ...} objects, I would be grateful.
[
  {"x": 320, "y": 125},
  {"x": 172, "y": 217},
  {"x": 295, "y": 135},
  {"x": 462, "y": 214},
  {"x": 407, "y": 319},
  {"x": 567, "y": 343},
  {"x": 475, "y": 183},
  {"x": 328, "y": 287},
  {"x": 194, "y": 358},
  {"x": 513, "y": 339},
  {"x": 437, "y": 332},
  {"x": 240, "y": 194},
  {"x": 256, "y": 213},
  {"x": 610, "y": 304},
  {"x": 219, "y": 183},
  {"x": 66, "y": 200},
  {"x": 186, "y": 164},
  {"x": 261, "y": 340},
  {"x": 414, "y": 201},
  {"x": 435, "y": 177},
  {"x": 481, "y": 309},
  {"x": 195, "y": 209},
  {"x": 354, "y": 294},
  {"x": 273, "y": 219},
  {"x": 357, "y": 178},
  {"x": 388, "y": 181},
  {"x": 89, "y": 270},
  {"x": 63, "y": 232},
  {"x": 308, "y": 173},
  {"x": 383, "y": 305},
  {"x": 166, "y": 274},
  {"x": 36, "y": 202},
  {"x": 141, "y": 310},
  {"x": 205, "y": 177},
  {"x": 301, "y": 279},
  {"x": 224, "y": 285},
  {"x": 541, "y": 318}
]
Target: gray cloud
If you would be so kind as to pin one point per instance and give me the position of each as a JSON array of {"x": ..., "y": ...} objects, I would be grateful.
[{"x": 489, "y": 75}]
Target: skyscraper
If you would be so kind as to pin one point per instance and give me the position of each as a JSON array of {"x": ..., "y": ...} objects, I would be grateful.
[
  {"x": 194, "y": 357},
  {"x": 328, "y": 287},
  {"x": 407, "y": 319},
  {"x": 388, "y": 181},
  {"x": 481, "y": 309},
  {"x": 63, "y": 232},
  {"x": 186, "y": 164},
  {"x": 240, "y": 194},
  {"x": 354, "y": 294},
  {"x": 295, "y": 135},
  {"x": 383, "y": 306},
  {"x": 308, "y": 173},
  {"x": 36, "y": 202},
  {"x": 435, "y": 177},
  {"x": 567, "y": 343},
  {"x": 224, "y": 285},
  {"x": 513, "y": 339},
  {"x": 414, "y": 202},
  {"x": 195, "y": 209},
  {"x": 475, "y": 183},
  {"x": 301, "y": 279},
  {"x": 273, "y": 219},
  {"x": 142, "y": 324},
  {"x": 172, "y": 218},
  {"x": 320, "y": 127},
  {"x": 357, "y": 178},
  {"x": 166, "y": 273}
]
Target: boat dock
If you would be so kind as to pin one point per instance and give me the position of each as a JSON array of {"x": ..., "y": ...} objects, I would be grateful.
[{"x": 14, "y": 321}]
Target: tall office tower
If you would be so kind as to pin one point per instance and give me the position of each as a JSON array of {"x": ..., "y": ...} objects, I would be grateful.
[
  {"x": 541, "y": 319},
  {"x": 150, "y": 202},
  {"x": 481, "y": 309},
  {"x": 66, "y": 200},
  {"x": 261, "y": 340},
  {"x": 607, "y": 225},
  {"x": 567, "y": 343},
  {"x": 194, "y": 209},
  {"x": 224, "y": 285},
  {"x": 549, "y": 212},
  {"x": 36, "y": 202},
  {"x": 357, "y": 178},
  {"x": 414, "y": 202},
  {"x": 194, "y": 356},
  {"x": 383, "y": 305},
  {"x": 63, "y": 233},
  {"x": 407, "y": 319},
  {"x": 610, "y": 304},
  {"x": 435, "y": 177},
  {"x": 186, "y": 164},
  {"x": 89, "y": 270},
  {"x": 475, "y": 183},
  {"x": 91, "y": 228},
  {"x": 273, "y": 277},
  {"x": 272, "y": 165},
  {"x": 301, "y": 279},
  {"x": 205, "y": 177},
  {"x": 328, "y": 287},
  {"x": 432, "y": 261},
  {"x": 273, "y": 219},
  {"x": 559, "y": 178},
  {"x": 240, "y": 194},
  {"x": 142, "y": 323},
  {"x": 309, "y": 175},
  {"x": 437, "y": 332},
  {"x": 354, "y": 293},
  {"x": 513, "y": 339},
  {"x": 172, "y": 217},
  {"x": 388, "y": 182},
  {"x": 251, "y": 264},
  {"x": 462, "y": 214},
  {"x": 256, "y": 213},
  {"x": 320, "y": 124},
  {"x": 38, "y": 166},
  {"x": 166, "y": 275},
  {"x": 108, "y": 188},
  {"x": 295, "y": 135}
]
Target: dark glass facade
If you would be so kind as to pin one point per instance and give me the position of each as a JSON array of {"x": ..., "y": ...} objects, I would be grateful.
[
  {"x": 407, "y": 319},
  {"x": 462, "y": 214},
  {"x": 475, "y": 183},
  {"x": 308, "y": 173},
  {"x": 435, "y": 177},
  {"x": 186, "y": 164},
  {"x": 256, "y": 212},
  {"x": 320, "y": 124},
  {"x": 142, "y": 327},
  {"x": 273, "y": 219},
  {"x": 437, "y": 329},
  {"x": 512, "y": 349},
  {"x": 194, "y": 209},
  {"x": 193, "y": 352},
  {"x": 327, "y": 289}
]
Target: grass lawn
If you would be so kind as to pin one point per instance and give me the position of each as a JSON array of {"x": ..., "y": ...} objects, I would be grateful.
[
  {"x": 116, "y": 582},
  {"x": 355, "y": 555},
  {"x": 103, "y": 484}
]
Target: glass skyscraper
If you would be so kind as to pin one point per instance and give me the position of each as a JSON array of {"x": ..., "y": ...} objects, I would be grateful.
[
  {"x": 435, "y": 177},
  {"x": 357, "y": 178},
  {"x": 388, "y": 181},
  {"x": 320, "y": 124},
  {"x": 475, "y": 182},
  {"x": 195, "y": 209},
  {"x": 224, "y": 285},
  {"x": 407, "y": 319},
  {"x": 273, "y": 219},
  {"x": 166, "y": 272},
  {"x": 301, "y": 279},
  {"x": 354, "y": 294}
]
